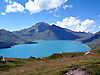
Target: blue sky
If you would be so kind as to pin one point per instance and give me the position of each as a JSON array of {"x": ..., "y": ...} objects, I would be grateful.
[{"x": 77, "y": 15}]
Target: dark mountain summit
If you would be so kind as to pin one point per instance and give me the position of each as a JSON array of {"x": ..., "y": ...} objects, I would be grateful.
[
  {"x": 40, "y": 31},
  {"x": 62, "y": 34}
]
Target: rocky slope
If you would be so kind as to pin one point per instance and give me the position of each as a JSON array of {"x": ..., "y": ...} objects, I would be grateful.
[
  {"x": 93, "y": 41},
  {"x": 8, "y": 39}
]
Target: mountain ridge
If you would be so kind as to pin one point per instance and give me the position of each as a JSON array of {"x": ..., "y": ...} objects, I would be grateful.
[
  {"x": 7, "y": 36},
  {"x": 8, "y": 39},
  {"x": 50, "y": 32},
  {"x": 92, "y": 41}
]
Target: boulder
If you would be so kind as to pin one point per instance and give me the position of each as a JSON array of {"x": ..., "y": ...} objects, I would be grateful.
[
  {"x": 31, "y": 57},
  {"x": 55, "y": 55},
  {"x": 72, "y": 56},
  {"x": 2, "y": 60},
  {"x": 87, "y": 53},
  {"x": 1, "y": 57}
]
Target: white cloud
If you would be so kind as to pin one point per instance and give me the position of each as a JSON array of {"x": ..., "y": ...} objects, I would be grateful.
[
  {"x": 31, "y": 6},
  {"x": 99, "y": 26},
  {"x": 68, "y": 22},
  {"x": 14, "y": 8},
  {"x": 56, "y": 15},
  {"x": 50, "y": 11},
  {"x": 8, "y": 1},
  {"x": 98, "y": 15},
  {"x": 36, "y": 6},
  {"x": 39, "y": 5},
  {"x": 76, "y": 24},
  {"x": 66, "y": 6},
  {"x": 84, "y": 25},
  {"x": 70, "y": 6},
  {"x": 20, "y": 8},
  {"x": 87, "y": 22},
  {"x": 2, "y": 13},
  {"x": 56, "y": 9}
]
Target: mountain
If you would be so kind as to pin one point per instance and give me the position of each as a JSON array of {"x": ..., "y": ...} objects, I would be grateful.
[
  {"x": 93, "y": 41},
  {"x": 40, "y": 31},
  {"x": 8, "y": 39},
  {"x": 96, "y": 50},
  {"x": 6, "y": 44},
  {"x": 7, "y": 36},
  {"x": 44, "y": 31},
  {"x": 89, "y": 33},
  {"x": 80, "y": 34}
]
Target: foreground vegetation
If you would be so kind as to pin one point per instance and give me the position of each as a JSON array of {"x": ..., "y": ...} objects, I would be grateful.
[{"x": 56, "y": 64}]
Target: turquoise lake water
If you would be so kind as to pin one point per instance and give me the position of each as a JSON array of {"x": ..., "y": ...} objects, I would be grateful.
[{"x": 42, "y": 49}]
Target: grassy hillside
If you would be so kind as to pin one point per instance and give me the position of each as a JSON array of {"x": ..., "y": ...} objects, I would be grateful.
[
  {"x": 52, "y": 65},
  {"x": 94, "y": 44},
  {"x": 96, "y": 50}
]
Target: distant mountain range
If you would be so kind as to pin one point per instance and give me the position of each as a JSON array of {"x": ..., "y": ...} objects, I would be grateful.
[{"x": 44, "y": 31}]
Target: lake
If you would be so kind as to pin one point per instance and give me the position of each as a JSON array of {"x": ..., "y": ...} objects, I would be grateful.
[{"x": 42, "y": 49}]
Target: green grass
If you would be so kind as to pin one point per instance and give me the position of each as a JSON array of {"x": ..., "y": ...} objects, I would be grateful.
[
  {"x": 76, "y": 54},
  {"x": 5, "y": 67},
  {"x": 15, "y": 62},
  {"x": 10, "y": 64},
  {"x": 52, "y": 65},
  {"x": 96, "y": 50}
]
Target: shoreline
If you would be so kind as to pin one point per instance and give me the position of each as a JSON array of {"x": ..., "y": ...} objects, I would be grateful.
[
  {"x": 87, "y": 46},
  {"x": 36, "y": 41},
  {"x": 83, "y": 44},
  {"x": 59, "y": 40},
  {"x": 66, "y": 40},
  {"x": 44, "y": 56},
  {"x": 18, "y": 44}
]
